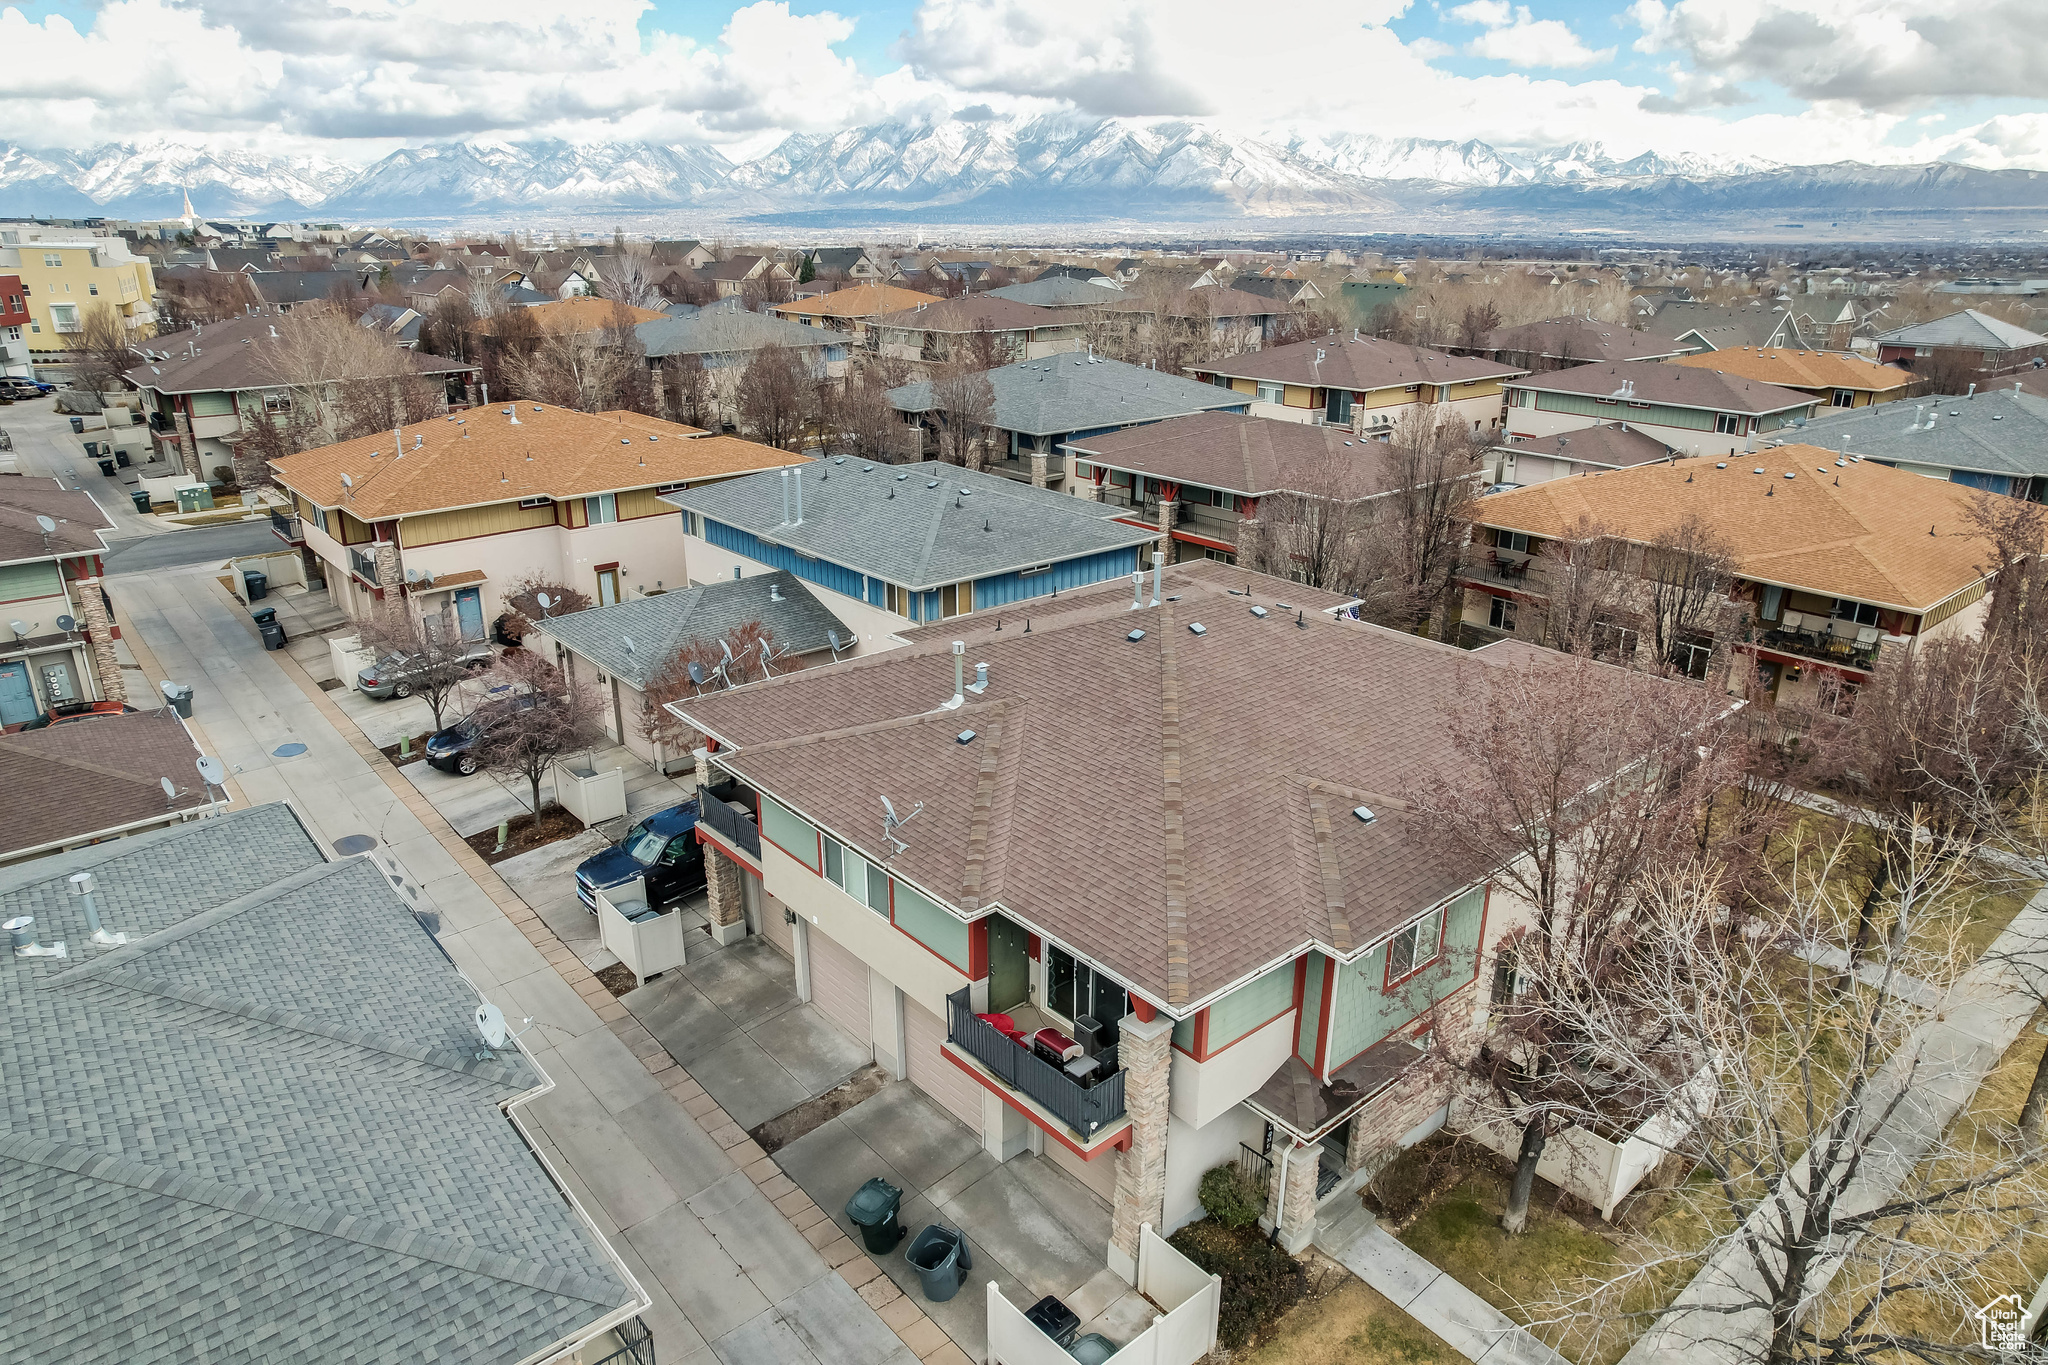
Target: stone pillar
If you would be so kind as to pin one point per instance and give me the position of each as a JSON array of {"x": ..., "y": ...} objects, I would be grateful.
[
  {"x": 99, "y": 632},
  {"x": 1090, "y": 490},
  {"x": 1041, "y": 468},
  {"x": 1250, "y": 530},
  {"x": 251, "y": 471},
  {"x": 725, "y": 909},
  {"x": 1169, "y": 515},
  {"x": 188, "y": 449},
  {"x": 390, "y": 578},
  {"x": 654, "y": 380},
  {"x": 1297, "y": 1196},
  {"x": 1144, "y": 1048}
]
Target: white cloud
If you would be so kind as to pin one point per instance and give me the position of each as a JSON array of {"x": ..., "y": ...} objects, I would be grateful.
[{"x": 1515, "y": 36}]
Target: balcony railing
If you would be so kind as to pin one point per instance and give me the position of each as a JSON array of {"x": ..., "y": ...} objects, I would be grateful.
[
  {"x": 732, "y": 823},
  {"x": 363, "y": 565},
  {"x": 636, "y": 1345},
  {"x": 1844, "y": 652},
  {"x": 1084, "y": 1109},
  {"x": 287, "y": 527}
]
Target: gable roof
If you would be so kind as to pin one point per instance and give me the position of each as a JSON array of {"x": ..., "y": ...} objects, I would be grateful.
[
  {"x": 1210, "y": 773},
  {"x": 974, "y": 313},
  {"x": 1581, "y": 340},
  {"x": 1969, "y": 328},
  {"x": 1998, "y": 431},
  {"x": 1675, "y": 386},
  {"x": 1209, "y": 301},
  {"x": 24, "y": 497},
  {"x": 1800, "y": 369},
  {"x": 1060, "y": 291},
  {"x": 582, "y": 314},
  {"x": 1842, "y": 529},
  {"x": 233, "y": 355},
  {"x": 1250, "y": 456},
  {"x": 855, "y": 301},
  {"x": 1613, "y": 445},
  {"x": 72, "y": 781},
  {"x": 919, "y": 525},
  {"x": 268, "y": 1102},
  {"x": 1360, "y": 363},
  {"x": 1061, "y": 394},
  {"x": 662, "y": 624},
  {"x": 480, "y": 457},
  {"x": 1749, "y": 324},
  {"x": 719, "y": 329}
]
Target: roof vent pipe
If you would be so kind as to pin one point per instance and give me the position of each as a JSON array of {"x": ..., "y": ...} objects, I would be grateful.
[
  {"x": 981, "y": 677},
  {"x": 1137, "y": 590},
  {"x": 796, "y": 480},
  {"x": 83, "y": 886},
  {"x": 1972, "y": 394},
  {"x": 785, "y": 497},
  {"x": 21, "y": 936},
  {"x": 1158, "y": 571}
]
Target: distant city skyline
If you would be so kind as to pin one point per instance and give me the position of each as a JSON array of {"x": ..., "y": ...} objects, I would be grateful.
[{"x": 1791, "y": 81}]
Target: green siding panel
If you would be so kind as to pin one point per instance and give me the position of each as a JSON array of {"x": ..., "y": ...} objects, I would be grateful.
[
  {"x": 1365, "y": 1012},
  {"x": 1656, "y": 414},
  {"x": 1311, "y": 1010},
  {"x": 792, "y": 833},
  {"x": 1184, "y": 1034},
  {"x": 40, "y": 579},
  {"x": 213, "y": 404},
  {"x": 927, "y": 922},
  {"x": 1250, "y": 1005}
]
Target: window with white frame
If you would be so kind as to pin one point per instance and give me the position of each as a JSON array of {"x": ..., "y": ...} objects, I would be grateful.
[
  {"x": 1501, "y": 615},
  {"x": 1415, "y": 947},
  {"x": 277, "y": 401},
  {"x": 64, "y": 316},
  {"x": 856, "y": 876},
  {"x": 54, "y": 259},
  {"x": 1272, "y": 393},
  {"x": 1727, "y": 424},
  {"x": 602, "y": 509}
]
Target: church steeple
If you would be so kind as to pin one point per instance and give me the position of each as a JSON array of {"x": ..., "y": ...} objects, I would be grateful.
[{"x": 191, "y": 219}]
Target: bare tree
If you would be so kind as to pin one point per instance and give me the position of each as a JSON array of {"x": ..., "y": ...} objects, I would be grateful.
[
  {"x": 429, "y": 655},
  {"x": 772, "y": 399},
  {"x": 546, "y": 717},
  {"x": 523, "y": 605},
  {"x": 104, "y": 349},
  {"x": 869, "y": 425},
  {"x": 1588, "y": 591},
  {"x": 570, "y": 370},
  {"x": 1689, "y": 567},
  {"x": 340, "y": 381},
  {"x": 744, "y": 654},
  {"x": 1575, "y": 780},
  {"x": 963, "y": 401},
  {"x": 2015, "y": 538},
  {"x": 1317, "y": 534},
  {"x": 1431, "y": 484},
  {"x": 1479, "y": 320},
  {"x": 632, "y": 277},
  {"x": 689, "y": 391}
]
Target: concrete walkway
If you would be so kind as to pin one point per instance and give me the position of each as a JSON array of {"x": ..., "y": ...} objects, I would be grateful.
[
  {"x": 1941, "y": 1067},
  {"x": 742, "y": 1266},
  {"x": 1468, "y": 1324}
]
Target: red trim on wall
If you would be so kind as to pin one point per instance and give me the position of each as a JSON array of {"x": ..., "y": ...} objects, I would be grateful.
[
  {"x": 1034, "y": 945},
  {"x": 604, "y": 568},
  {"x": 1478, "y": 955},
  {"x": 1193, "y": 539},
  {"x": 1263, "y": 1023},
  {"x": 1202, "y": 1036},
  {"x": 1122, "y": 1142},
  {"x": 1143, "y": 1009},
  {"x": 1321, "y": 1068},
  {"x": 977, "y": 944}
]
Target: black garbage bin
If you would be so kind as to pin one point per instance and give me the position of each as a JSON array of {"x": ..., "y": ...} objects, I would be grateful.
[
  {"x": 873, "y": 1210},
  {"x": 942, "y": 1261},
  {"x": 78, "y": 426},
  {"x": 121, "y": 457},
  {"x": 107, "y": 468},
  {"x": 255, "y": 584},
  {"x": 263, "y": 616},
  {"x": 141, "y": 497},
  {"x": 1055, "y": 1319},
  {"x": 178, "y": 695},
  {"x": 273, "y": 636}
]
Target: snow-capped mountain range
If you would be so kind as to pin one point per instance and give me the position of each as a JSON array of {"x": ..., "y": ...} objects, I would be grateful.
[{"x": 1058, "y": 167}]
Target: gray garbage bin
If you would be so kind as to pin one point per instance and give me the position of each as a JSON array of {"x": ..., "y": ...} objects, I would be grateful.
[
  {"x": 121, "y": 457},
  {"x": 255, "y": 584},
  {"x": 78, "y": 426},
  {"x": 141, "y": 501},
  {"x": 873, "y": 1210},
  {"x": 942, "y": 1261},
  {"x": 263, "y": 616},
  {"x": 107, "y": 468},
  {"x": 180, "y": 696},
  {"x": 1093, "y": 1349},
  {"x": 273, "y": 636}
]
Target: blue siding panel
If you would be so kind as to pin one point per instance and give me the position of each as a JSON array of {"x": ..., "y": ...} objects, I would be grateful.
[
  {"x": 1002, "y": 589},
  {"x": 837, "y": 577}
]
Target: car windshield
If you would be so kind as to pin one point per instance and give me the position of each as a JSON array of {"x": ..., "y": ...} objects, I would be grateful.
[{"x": 645, "y": 845}]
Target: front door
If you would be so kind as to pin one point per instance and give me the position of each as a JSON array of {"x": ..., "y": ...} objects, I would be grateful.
[
  {"x": 17, "y": 699},
  {"x": 469, "y": 613},
  {"x": 1009, "y": 964},
  {"x": 607, "y": 587}
]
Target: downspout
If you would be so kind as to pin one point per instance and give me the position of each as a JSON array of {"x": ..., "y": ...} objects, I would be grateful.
[{"x": 1280, "y": 1193}]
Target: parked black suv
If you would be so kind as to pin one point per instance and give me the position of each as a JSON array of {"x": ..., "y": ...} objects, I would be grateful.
[
  {"x": 454, "y": 749},
  {"x": 662, "y": 848}
]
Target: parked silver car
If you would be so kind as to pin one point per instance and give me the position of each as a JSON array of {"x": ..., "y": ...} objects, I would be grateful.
[{"x": 391, "y": 676}]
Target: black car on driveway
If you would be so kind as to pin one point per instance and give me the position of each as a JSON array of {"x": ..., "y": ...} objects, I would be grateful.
[
  {"x": 662, "y": 848},
  {"x": 454, "y": 749}
]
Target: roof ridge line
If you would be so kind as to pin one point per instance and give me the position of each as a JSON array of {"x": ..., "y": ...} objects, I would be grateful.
[
  {"x": 1173, "y": 831},
  {"x": 984, "y": 802},
  {"x": 868, "y": 728},
  {"x": 1331, "y": 871},
  {"x": 379, "y": 1233}
]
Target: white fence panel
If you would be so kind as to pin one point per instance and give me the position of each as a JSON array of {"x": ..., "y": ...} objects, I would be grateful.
[
  {"x": 1181, "y": 1337},
  {"x": 1165, "y": 1276},
  {"x": 1014, "y": 1340}
]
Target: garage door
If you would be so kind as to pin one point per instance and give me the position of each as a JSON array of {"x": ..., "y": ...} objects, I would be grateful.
[
  {"x": 839, "y": 986},
  {"x": 773, "y": 927},
  {"x": 923, "y": 1035}
]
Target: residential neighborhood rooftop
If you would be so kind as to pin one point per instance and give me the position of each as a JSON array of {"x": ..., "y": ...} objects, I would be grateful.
[
  {"x": 855, "y": 301},
  {"x": 1968, "y": 328},
  {"x": 73, "y": 781},
  {"x": 1675, "y": 386},
  {"x": 241, "y": 353},
  {"x": 485, "y": 456},
  {"x": 1061, "y": 394},
  {"x": 1800, "y": 369},
  {"x": 268, "y": 1103},
  {"x": 1060, "y": 291},
  {"x": 974, "y": 313},
  {"x": 917, "y": 526},
  {"x": 1251, "y": 456},
  {"x": 633, "y": 639},
  {"x": 724, "y": 328},
  {"x": 25, "y": 497},
  {"x": 583, "y": 314},
  {"x": 1613, "y": 445},
  {"x": 2001, "y": 430},
  {"x": 1358, "y": 363},
  {"x": 1796, "y": 515},
  {"x": 1581, "y": 340}
]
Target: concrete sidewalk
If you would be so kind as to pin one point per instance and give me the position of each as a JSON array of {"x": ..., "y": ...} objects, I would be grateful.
[
  {"x": 1469, "y": 1324},
  {"x": 741, "y": 1265}
]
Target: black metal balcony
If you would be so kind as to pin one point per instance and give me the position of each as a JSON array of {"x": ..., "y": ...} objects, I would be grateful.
[
  {"x": 1085, "y": 1109},
  {"x": 732, "y": 823},
  {"x": 363, "y": 564},
  {"x": 286, "y": 527},
  {"x": 1821, "y": 646}
]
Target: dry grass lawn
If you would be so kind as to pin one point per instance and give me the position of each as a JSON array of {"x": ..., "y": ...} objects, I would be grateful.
[{"x": 1351, "y": 1324}]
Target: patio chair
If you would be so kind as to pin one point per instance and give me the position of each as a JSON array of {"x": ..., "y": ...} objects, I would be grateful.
[
  {"x": 1791, "y": 622},
  {"x": 1866, "y": 637}
]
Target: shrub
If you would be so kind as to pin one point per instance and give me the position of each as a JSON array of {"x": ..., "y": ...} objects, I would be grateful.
[
  {"x": 1230, "y": 1197},
  {"x": 1260, "y": 1281}
]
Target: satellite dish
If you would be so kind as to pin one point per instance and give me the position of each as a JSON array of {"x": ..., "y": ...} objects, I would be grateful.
[
  {"x": 627, "y": 641},
  {"x": 889, "y": 810},
  {"x": 170, "y": 788},
  {"x": 544, "y": 600},
  {"x": 49, "y": 527},
  {"x": 212, "y": 771},
  {"x": 67, "y": 624},
  {"x": 492, "y": 1028},
  {"x": 697, "y": 674},
  {"x": 412, "y": 575},
  {"x": 347, "y": 482}
]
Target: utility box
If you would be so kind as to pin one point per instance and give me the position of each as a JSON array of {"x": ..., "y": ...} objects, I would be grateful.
[{"x": 195, "y": 497}]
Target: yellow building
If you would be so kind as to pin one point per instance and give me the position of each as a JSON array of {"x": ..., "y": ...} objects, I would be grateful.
[{"x": 67, "y": 274}]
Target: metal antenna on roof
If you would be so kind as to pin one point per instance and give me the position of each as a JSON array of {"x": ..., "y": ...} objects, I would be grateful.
[{"x": 891, "y": 822}]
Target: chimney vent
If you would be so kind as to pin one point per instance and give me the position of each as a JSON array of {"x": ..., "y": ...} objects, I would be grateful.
[{"x": 21, "y": 937}]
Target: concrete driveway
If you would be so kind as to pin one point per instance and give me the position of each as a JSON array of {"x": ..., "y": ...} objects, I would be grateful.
[{"x": 1030, "y": 1226}]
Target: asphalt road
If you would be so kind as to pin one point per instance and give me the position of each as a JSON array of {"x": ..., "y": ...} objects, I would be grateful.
[{"x": 142, "y": 554}]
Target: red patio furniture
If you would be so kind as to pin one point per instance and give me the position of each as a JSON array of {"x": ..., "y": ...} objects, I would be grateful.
[{"x": 1005, "y": 1025}]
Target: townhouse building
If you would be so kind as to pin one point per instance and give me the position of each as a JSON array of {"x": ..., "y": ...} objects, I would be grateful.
[
  {"x": 15, "y": 361},
  {"x": 1966, "y": 342},
  {"x": 951, "y": 329},
  {"x": 852, "y": 310},
  {"x": 65, "y": 278},
  {"x": 1363, "y": 383},
  {"x": 1838, "y": 379},
  {"x": 56, "y": 634},
  {"x": 1693, "y": 411}
]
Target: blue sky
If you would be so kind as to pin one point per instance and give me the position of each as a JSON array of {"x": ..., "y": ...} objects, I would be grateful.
[{"x": 1782, "y": 80}]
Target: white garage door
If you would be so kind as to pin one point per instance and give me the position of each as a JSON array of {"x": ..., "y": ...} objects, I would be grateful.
[
  {"x": 954, "y": 1089},
  {"x": 773, "y": 927},
  {"x": 839, "y": 986}
]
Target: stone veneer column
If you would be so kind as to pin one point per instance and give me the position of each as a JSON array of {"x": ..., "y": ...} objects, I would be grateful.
[
  {"x": 188, "y": 449},
  {"x": 654, "y": 379},
  {"x": 1169, "y": 516},
  {"x": 390, "y": 577},
  {"x": 99, "y": 631},
  {"x": 1249, "y": 532},
  {"x": 1298, "y": 1198},
  {"x": 725, "y": 907},
  {"x": 1041, "y": 468},
  {"x": 1147, "y": 1057}
]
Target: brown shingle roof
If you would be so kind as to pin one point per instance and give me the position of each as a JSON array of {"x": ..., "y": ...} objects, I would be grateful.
[
  {"x": 1239, "y": 454},
  {"x": 1196, "y": 823},
  {"x": 25, "y": 497},
  {"x": 1800, "y": 369},
  {"x": 1210, "y": 301},
  {"x": 1362, "y": 365},
  {"x": 1676, "y": 386},
  {"x": 74, "y": 780},
  {"x": 230, "y": 356},
  {"x": 973, "y": 313},
  {"x": 481, "y": 457},
  {"x": 1609, "y": 444},
  {"x": 1581, "y": 339},
  {"x": 856, "y": 301},
  {"x": 572, "y": 316},
  {"x": 1859, "y": 531}
]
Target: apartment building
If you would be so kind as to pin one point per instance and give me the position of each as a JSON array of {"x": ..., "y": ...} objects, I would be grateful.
[{"x": 64, "y": 278}]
